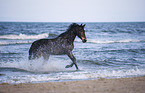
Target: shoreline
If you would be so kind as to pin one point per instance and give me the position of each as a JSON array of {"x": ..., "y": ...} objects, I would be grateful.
[{"x": 114, "y": 85}]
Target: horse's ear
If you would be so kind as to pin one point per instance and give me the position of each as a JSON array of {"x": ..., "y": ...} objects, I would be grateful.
[
  {"x": 81, "y": 25},
  {"x": 84, "y": 25}
]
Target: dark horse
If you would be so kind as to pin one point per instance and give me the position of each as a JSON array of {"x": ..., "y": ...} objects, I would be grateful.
[{"x": 63, "y": 44}]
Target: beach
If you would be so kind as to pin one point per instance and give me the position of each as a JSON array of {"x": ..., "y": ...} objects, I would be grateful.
[
  {"x": 111, "y": 61},
  {"x": 115, "y": 85}
]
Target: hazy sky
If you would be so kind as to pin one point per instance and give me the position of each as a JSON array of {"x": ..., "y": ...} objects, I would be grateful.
[{"x": 72, "y": 10}]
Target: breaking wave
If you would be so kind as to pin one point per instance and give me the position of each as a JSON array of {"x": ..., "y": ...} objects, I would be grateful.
[
  {"x": 53, "y": 71},
  {"x": 89, "y": 41},
  {"x": 15, "y": 42},
  {"x": 23, "y": 36},
  {"x": 111, "y": 41}
]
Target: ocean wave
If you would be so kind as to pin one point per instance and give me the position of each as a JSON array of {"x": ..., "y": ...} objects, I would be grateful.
[
  {"x": 25, "y": 71},
  {"x": 111, "y": 41},
  {"x": 23, "y": 36},
  {"x": 74, "y": 75},
  {"x": 89, "y": 41},
  {"x": 15, "y": 42}
]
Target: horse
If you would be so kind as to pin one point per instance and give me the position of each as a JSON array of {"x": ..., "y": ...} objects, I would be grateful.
[{"x": 61, "y": 45}]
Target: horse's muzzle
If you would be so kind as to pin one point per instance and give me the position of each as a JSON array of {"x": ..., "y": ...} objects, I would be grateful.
[{"x": 84, "y": 40}]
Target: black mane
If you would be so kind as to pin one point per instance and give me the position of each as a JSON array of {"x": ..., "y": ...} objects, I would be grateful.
[{"x": 72, "y": 26}]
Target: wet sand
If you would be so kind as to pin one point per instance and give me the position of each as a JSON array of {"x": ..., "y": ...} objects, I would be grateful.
[{"x": 121, "y": 85}]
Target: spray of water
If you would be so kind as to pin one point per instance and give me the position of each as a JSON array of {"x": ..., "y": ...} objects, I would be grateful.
[{"x": 37, "y": 65}]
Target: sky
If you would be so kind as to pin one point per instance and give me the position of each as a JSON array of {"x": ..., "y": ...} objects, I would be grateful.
[{"x": 72, "y": 10}]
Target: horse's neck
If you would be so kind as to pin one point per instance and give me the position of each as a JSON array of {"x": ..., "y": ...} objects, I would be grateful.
[
  {"x": 72, "y": 37},
  {"x": 69, "y": 35}
]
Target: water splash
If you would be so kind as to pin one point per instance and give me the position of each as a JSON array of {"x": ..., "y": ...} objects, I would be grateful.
[
  {"x": 110, "y": 41},
  {"x": 37, "y": 65}
]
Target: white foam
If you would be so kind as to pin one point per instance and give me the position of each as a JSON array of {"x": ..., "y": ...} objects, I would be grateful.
[
  {"x": 37, "y": 66},
  {"x": 110, "y": 41},
  {"x": 23, "y": 36},
  {"x": 76, "y": 75},
  {"x": 14, "y": 42},
  {"x": 55, "y": 69}
]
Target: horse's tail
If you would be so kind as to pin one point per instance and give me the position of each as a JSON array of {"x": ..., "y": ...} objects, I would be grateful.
[
  {"x": 30, "y": 54},
  {"x": 30, "y": 57},
  {"x": 33, "y": 51}
]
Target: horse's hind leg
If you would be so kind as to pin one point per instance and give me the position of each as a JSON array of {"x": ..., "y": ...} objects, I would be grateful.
[
  {"x": 46, "y": 57},
  {"x": 34, "y": 55}
]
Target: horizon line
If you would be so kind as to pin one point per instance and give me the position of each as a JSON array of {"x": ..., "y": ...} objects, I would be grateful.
[{"x": 72, "y": 21}]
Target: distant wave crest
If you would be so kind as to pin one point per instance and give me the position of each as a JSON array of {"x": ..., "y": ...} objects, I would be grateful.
[
  {"x": 23, "y": 36},
  {"x": 111, "y": 41},
  {"x": 15, "y": 42}
]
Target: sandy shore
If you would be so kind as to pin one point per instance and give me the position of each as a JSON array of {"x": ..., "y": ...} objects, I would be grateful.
[{"x": 121, "y": 85}]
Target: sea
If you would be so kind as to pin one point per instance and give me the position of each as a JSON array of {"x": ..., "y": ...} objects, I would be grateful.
[{"x": 112, "y": 50}]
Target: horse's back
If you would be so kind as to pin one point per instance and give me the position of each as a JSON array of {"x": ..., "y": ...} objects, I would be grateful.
[
  {"x": 38, "y": 43},
  {"x": 41, "y": 43}
]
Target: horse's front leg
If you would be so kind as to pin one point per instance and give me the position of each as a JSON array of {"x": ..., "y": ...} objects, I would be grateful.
[{"x": 71, "y": 56}]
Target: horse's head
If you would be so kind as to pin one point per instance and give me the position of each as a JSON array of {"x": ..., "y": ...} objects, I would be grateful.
[{"x": 80, "y": 32}]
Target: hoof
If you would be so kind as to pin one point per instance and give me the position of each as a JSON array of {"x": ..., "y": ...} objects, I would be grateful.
[
  {"x": 68, "y": 66},
  {"x": 78, "y": 70}
]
